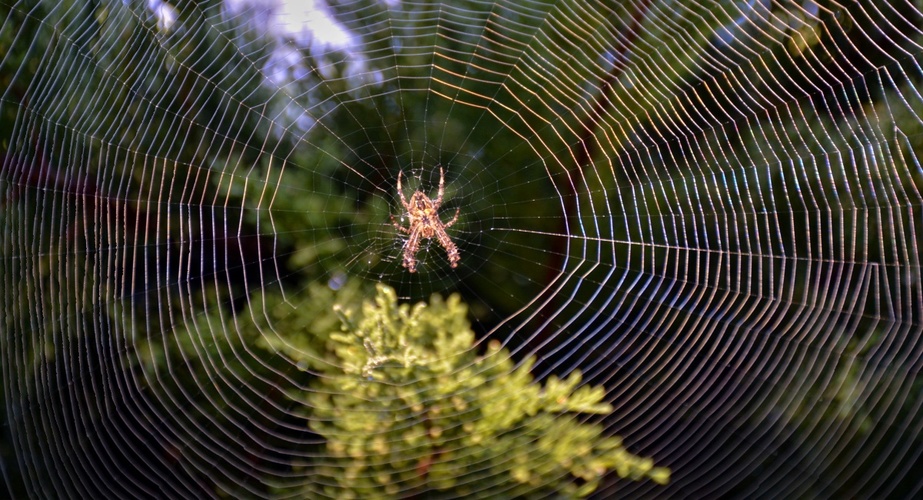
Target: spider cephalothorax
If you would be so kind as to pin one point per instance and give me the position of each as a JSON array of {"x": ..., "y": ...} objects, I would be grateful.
[{"x": 423, "y": 215}]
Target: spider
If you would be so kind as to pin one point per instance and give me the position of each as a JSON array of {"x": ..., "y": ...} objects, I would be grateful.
[{"x": 423, "y": 213}]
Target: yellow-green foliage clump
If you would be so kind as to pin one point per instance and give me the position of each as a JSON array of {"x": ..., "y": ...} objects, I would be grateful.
[{"x": 408, "y": 407}]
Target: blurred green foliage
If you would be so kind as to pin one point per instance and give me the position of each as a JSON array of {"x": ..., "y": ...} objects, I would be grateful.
[
  {"x": 404, "y": 402},
  {"x": 407, "y": 406}
]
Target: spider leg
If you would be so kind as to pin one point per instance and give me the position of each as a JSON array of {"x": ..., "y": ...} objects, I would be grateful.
[
  {"x": 400, "y": 191},
  {"x": 397, "y": 225},
  {"x": 453, "y": 218},
  {"x": 450, "y": 248},
  {"x": 441, "y": 189},
  {"x": 410, "y": 251}
]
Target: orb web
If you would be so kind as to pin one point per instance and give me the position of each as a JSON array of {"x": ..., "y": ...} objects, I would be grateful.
[{"x": 710, "y": 209}]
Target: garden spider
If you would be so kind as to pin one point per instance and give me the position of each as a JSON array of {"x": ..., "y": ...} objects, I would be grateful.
[{"x": 425, "y": 223}]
